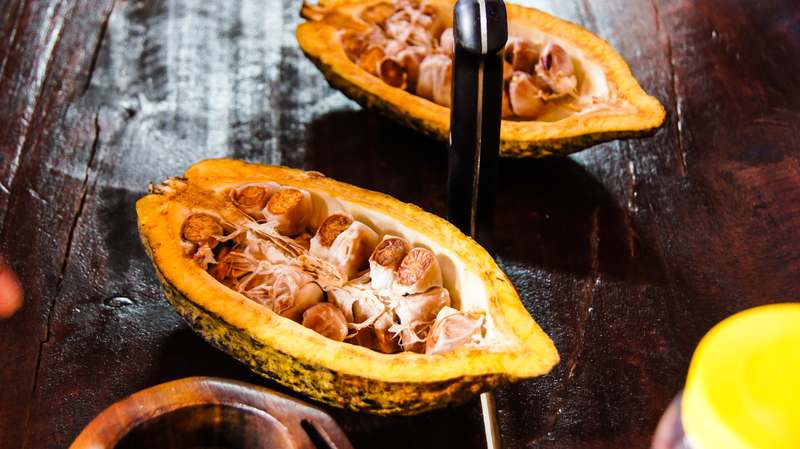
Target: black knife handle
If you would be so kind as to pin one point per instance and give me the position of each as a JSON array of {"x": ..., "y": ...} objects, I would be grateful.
[{"x": 480, "y": 31}]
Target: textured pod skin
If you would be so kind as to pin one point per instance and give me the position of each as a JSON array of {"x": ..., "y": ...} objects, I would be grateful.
[
  {"x": 336, "y": 373},
  {"x": 317, "y": 39}
]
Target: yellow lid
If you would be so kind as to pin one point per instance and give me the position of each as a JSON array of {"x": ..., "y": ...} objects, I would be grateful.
[{"x": 743, "y": 387}]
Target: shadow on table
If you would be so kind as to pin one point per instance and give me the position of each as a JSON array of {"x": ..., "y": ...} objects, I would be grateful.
[
  {"x": 551, "y": 213},
  {"x": 370, "y": 151},
  {"x": 184, "y": 353}
]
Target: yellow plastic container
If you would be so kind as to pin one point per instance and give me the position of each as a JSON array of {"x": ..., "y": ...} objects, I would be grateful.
[{"x": 743, "y": 387}]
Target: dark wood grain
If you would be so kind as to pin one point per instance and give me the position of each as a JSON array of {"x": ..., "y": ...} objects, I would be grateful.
[
  {"x": 626, "y": 253},
  {"x": 48, "y": 138}
]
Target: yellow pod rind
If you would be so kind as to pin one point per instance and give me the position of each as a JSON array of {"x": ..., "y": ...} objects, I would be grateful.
[
  {"x": 318, "y": 38},
  {"x": 336, "y": 373}
]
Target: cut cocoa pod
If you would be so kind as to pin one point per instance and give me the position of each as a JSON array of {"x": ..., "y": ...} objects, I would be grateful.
[
  {"x": 344, "y": 347},
  {"x": 599, "y": 101}
]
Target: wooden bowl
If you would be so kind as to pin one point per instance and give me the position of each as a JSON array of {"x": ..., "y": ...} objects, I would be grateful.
[{"x": 211, "y": 413}]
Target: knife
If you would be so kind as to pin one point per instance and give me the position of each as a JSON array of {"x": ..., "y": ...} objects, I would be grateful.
[{"x": 480, "y": 32}]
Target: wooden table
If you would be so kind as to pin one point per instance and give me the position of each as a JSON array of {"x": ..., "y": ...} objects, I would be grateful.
[{"x": 626, "y": 253}]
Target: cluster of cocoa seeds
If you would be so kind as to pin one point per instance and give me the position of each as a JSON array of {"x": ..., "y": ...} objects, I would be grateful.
[
  {"x": 407, "y": 47},
  {"x": 340, "y": 278}
]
